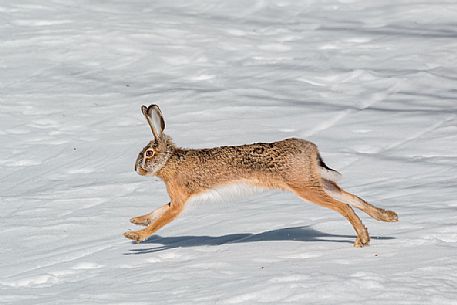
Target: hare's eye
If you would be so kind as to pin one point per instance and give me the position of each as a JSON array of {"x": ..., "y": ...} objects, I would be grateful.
[{"x": 149, "y": 153}]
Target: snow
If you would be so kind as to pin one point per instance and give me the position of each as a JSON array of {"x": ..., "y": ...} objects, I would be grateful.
[{"x": 373, "y": 83}]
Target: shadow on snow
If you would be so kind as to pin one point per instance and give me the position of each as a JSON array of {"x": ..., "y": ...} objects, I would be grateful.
[{"x": 305, "y": 233}]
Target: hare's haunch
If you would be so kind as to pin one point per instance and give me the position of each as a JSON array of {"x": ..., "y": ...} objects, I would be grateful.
[{"x": 291, "y": 164}]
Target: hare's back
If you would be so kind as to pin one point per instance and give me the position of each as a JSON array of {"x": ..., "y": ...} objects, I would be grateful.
[
  {"x": 287, "y": 147},
  {"x": 260, "y": 156}
]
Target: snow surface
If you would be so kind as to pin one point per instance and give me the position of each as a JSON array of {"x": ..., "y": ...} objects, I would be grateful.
[{"x": 373, "y": 83}]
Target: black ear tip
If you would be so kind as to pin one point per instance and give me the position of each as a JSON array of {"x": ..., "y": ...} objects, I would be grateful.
[
  {"x": 153, "y": 106},
  {"x": 144, "y": 109}
]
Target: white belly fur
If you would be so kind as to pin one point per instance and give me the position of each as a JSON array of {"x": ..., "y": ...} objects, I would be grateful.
[{"x": 227, "y": 192}]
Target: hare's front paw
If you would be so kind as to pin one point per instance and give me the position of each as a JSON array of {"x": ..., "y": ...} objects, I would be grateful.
[
  {"x": 144, "y": 220},
  {"x": 137, "y": 236}
]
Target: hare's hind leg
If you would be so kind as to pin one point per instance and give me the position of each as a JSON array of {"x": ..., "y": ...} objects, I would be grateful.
[
  {"x": 338, "y": 193},
  {"x": 321, "y": 198},
  {"x": 147, "y": 219},
  {"x": 169, "y": 213}
]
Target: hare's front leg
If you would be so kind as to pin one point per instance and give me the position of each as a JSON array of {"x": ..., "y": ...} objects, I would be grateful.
[
  {"x": 168, "y": 213},
  {"x": 149, "y": 218}
]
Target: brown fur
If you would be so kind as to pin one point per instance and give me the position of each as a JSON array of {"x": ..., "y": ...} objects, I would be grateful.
[{"x": 291, "y": 164}]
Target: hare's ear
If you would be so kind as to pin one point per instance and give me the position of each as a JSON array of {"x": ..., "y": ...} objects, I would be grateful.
[{"x": 155, "y": 119}]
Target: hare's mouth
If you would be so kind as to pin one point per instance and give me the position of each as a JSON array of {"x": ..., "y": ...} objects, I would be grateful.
[{"x": 139, "y": 169}]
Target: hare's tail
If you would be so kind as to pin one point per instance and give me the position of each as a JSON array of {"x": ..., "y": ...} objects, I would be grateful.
[{"x": 327, "y": 172}]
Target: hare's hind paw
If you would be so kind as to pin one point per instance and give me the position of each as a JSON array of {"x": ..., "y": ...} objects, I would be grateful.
[
  {"x": 391, "y": 216},
  {"x": 137, "y": 236},
  {"x": 361, "y": 242}
]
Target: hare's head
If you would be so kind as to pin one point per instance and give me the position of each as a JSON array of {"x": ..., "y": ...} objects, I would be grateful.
[{"x": 157, "y": 152}]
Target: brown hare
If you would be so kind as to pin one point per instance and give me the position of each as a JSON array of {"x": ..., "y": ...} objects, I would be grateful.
[{"x": 291, "y": 164}]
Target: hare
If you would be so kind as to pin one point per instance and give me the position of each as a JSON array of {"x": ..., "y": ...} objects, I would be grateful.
[{"x": 292, "y": 164}]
